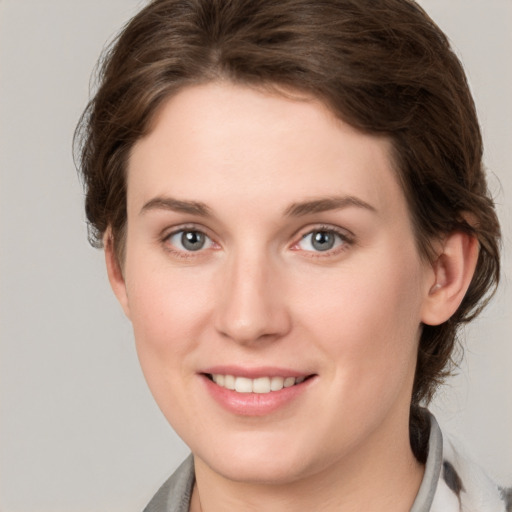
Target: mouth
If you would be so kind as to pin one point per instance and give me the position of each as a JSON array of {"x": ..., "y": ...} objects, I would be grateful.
[
  {"x": 257, "y": 392},
  {"x": 260, "y": 385}
]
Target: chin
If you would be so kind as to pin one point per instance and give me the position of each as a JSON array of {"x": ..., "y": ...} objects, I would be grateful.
[
  {"x": 275, "y": 472},
  {"x": 267, "y": 460}
]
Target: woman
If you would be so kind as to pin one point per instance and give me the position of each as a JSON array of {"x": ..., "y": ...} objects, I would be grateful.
[{"x": 295, "y": 219}]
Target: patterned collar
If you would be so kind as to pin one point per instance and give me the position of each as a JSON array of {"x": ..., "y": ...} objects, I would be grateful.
[{"x": 427, "y": 490}]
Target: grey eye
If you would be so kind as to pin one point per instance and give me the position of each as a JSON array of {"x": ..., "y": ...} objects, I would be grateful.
[
  {"x": 189, "y": 240},
  {"x": 192, "y": 240},
  {"x": 323, "y": 240}
]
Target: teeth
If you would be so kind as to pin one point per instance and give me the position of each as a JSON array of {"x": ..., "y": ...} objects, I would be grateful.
[
  {"x": 276, "y": 383},
  {"x": 243, "y": 385},
  {"x": 259, "y": 385},
  {"x": 229, "y": 382},
  {"x": 289, "y": 382}
]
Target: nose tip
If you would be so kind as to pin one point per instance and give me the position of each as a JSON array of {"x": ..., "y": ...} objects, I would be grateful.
[
  {"x": 251, "y": 308},
  {"x": 245, "y": 331}
]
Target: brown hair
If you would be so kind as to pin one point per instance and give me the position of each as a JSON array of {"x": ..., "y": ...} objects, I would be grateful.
[{"x": 381, "y": 65}]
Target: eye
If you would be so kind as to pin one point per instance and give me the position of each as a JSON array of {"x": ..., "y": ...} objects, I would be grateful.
[
  {"x": 322, "y": 240},
  {"x": 189, "y": 240}
]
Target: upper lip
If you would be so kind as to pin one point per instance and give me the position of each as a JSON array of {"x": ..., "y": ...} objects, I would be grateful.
[{"x": 254, "y": 372}]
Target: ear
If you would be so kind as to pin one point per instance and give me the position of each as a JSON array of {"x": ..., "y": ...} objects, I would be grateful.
[
  {"x": 115, "y": 272},
  {"x": 453, "y": 271}
]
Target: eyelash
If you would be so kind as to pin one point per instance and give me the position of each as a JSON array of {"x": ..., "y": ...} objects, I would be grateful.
[
  {"x": 183, "y": 253},
  {"x": 346, "y": 239}
]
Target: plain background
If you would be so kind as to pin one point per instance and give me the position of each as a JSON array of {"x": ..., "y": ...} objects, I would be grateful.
[{"x": 79, "y": 430}]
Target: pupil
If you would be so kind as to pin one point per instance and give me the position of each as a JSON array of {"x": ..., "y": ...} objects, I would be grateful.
[
  {"x": 323, "y": 240},
  {"x": 192, "y": 240}
]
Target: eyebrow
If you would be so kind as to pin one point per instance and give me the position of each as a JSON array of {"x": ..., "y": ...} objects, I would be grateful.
[
  {"x": 176, "y": 205},
  {"x": 294, "y": 210},
  {"x": 325, "y": 204}
]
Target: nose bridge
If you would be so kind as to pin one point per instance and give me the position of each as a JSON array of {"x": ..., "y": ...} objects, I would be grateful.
[{"x": 251, "y": 306}]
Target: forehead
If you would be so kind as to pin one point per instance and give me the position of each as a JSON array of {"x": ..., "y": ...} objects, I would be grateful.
[{"x": 229, "y": 144}]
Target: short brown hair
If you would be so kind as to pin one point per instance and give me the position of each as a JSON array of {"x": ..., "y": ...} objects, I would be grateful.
[{"x": 383, "y": 66}]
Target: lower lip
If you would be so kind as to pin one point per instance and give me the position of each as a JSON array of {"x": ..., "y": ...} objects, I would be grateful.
[{"x": 255, "y": 404}]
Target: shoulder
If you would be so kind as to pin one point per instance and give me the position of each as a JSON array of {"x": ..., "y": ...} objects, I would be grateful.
[
  {"x": 175, "y": 493},
  {"x": 464, "y": 486}
]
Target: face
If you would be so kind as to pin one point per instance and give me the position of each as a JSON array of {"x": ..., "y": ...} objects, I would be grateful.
[{"x": 269, "y": 250}]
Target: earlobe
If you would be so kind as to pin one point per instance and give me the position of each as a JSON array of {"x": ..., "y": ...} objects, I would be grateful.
[
  {"x": 115, "y": 273},
  {"x": 453, "y": 272}
]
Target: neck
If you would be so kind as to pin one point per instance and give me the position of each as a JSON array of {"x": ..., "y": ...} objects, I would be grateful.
[{"x": 382, "y": 475}]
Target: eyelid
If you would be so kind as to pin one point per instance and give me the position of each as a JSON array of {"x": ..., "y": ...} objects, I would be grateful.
[
  {"x": 167, "y": 233},
  {"x": 348, "y": 238},
  {"x": 187, "y": 226}
]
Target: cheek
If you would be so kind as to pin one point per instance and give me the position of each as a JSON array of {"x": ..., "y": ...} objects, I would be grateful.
[
  {"x": 367, "y": 318},
  {"x": 168, "y": 309}
]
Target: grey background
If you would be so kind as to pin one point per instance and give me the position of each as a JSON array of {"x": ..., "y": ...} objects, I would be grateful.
[{"x": 79, "y": 430}]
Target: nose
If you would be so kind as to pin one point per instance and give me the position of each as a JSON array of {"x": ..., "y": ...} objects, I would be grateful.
[{"x": 252, "y": 305}]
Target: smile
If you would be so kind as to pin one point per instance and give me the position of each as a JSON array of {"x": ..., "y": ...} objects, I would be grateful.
[
  {"x": 257, "y": 391},
  {"x": 258, "y": 385}
]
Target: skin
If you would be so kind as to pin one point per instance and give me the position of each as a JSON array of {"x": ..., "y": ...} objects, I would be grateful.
[{"x": 260, "y": 294}]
